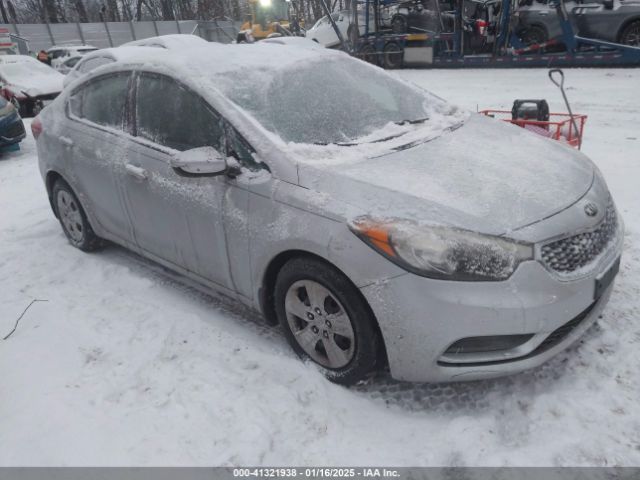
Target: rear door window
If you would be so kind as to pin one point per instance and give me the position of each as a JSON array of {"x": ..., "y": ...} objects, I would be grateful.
[
  {"x": 102, "y": 101},
  {"x": 170, "y": 115}
]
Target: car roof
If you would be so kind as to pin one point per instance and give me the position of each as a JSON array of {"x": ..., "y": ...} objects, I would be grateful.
[
  {"x": 217, "y": 58},
  {"x": 72, "y": 47},
  {"x": 122, "y": 53}
]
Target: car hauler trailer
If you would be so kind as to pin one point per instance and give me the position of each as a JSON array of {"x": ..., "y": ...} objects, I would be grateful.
[{"x": 486, "y": 39}]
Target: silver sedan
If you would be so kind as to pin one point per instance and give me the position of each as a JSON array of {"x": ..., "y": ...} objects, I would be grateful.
[{"x": 377, "y": 224}]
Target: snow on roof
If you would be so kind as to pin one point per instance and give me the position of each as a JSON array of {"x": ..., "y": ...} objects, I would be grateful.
[
  {"x": 211, "y": 58},
  {"x": 125, "y": 53},
  {"x": 172, "y": 41},
  {"x": 72, "y": 47}
]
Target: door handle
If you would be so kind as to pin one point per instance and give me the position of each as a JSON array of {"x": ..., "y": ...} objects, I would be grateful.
[
  {"x": 66, "y": 141},
  {"x": 136, "y": 172}
]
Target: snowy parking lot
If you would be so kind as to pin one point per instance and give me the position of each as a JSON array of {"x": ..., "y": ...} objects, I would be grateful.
[{"x": 122, "y": 364}]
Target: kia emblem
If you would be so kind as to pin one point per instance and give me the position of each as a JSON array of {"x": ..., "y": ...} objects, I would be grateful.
[{"x": 591, "y": 209}]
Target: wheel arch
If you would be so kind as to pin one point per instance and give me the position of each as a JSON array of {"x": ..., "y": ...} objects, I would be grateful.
[
  {"x": 51, "y": 178},
  {"x": 624, "y": 25},
  {"x": 536, "y": 24},
  {"x": 268, "y": 284}
]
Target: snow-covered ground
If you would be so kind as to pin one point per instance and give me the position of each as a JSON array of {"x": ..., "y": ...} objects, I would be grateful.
[{"x": 124, "y": 365}]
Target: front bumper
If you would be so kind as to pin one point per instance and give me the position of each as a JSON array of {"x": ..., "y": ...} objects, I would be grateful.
[
  {"x": 11, "y": 129},
  {"x": 421, "y": 318}
]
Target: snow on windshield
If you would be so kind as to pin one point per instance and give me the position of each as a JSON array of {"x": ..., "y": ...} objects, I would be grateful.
[{"x": 329, "y": 101}]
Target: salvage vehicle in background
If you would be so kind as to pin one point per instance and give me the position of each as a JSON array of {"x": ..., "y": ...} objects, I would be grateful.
[
  {"x": 58, "y": 54},
  {"x": 11, "y": 126},
  {"x": 68, "y": 65},
  {"x": 28, "y": 83},
  {"x": 616, "y": 21},
  {"x": 376, "y": 232},
  {"x": 105, "y": 56}
]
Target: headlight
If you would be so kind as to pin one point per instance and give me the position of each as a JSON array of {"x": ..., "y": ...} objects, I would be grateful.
[{"x": 443, "y": 252}]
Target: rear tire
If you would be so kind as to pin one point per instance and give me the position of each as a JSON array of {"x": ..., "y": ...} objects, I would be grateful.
[
  {"x": 368, "y": 54},
  {"x": 73, "y": 219},
  {"x": 533, "y": 35},
  {"x": 392, "y": 56},
  {"x": 325, "y": 319},
  {"x": 631, "y": 34}
]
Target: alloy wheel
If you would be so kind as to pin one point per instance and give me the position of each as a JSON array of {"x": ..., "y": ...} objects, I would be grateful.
[
  {"x": 631, "y": 35},
  {"x": 70, "y": 216},
  {"x": 320, "y": 324}
]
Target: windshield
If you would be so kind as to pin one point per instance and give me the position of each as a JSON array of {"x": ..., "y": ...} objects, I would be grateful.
[
  {"x": 17, "y": 72},
  {"x": 329, "y": 100},
  {"x": 72, "y": 62}
]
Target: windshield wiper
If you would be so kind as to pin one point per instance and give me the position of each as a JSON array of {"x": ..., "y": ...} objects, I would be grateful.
[
  {"x": 418, "y": 142},
  {"x": 412, "y": 122},
  {"x": 353, "y": 144}
]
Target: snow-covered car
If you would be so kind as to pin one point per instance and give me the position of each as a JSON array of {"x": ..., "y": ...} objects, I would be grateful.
[
  {"x": 105, "y": 56},
  {"x": 323, "y": 32},
  {"x": 387, "y": 227},
  {"x": 402, "y": 18},
  {"x": 58, "y": 54},
  {"x": 28, "y": 83},
  {"x": 176, "y": 41}
]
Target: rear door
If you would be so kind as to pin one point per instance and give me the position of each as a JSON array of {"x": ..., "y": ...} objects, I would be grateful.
[
  {"x": 96, "y": 144},
  {"x": 175, "y": 218}
]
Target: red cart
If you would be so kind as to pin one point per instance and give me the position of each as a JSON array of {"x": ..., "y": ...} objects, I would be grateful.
[{"x": 559, "y": 126}]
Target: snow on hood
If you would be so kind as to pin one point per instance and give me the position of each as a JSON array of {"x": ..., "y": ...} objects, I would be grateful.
[
  {"x": 485, "y": 176},
  {"x": 30, "y": 76},
  {"x": 40, "y": 85}
]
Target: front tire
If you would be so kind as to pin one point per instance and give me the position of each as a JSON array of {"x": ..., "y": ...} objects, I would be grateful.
[
  {"x": 534, "y": 35},
  {"x": 392, "y": 56},
  {"x": 631, "y": 34},
  {"x": 325, "y": 319},
  {"x": 73, "y": 219}
]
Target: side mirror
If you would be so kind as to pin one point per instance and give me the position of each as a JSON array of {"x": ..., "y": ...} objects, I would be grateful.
[
  {"x": 608, "y": 4},
  {"x": 200, "y": 162}
]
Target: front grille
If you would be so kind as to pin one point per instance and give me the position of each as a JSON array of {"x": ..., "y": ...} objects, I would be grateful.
[{"x": 571, "y": 253}]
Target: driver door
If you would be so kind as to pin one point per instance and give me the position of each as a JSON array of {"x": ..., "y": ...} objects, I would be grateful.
[{"x": 176, "y": 219}]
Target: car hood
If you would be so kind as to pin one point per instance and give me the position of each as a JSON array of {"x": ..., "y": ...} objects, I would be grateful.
[
  {"x": 36, "y": 85},
  {"x": 487, "y": 176}
]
